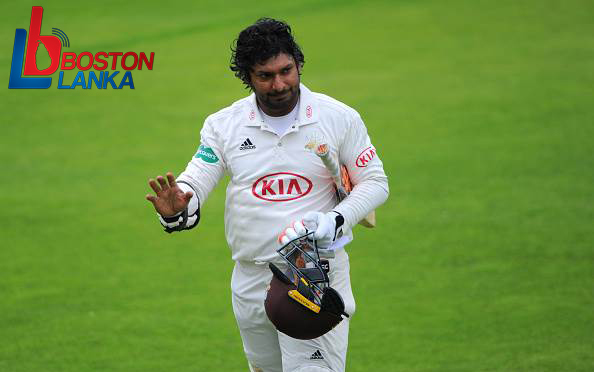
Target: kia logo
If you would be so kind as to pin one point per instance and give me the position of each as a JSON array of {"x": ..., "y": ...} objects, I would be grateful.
[
  {"x": 365, "y": 157},
  {"x": 281, "y": 186}
]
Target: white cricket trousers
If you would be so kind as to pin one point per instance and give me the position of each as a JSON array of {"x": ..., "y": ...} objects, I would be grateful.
[{"x": 268, "y": 350}]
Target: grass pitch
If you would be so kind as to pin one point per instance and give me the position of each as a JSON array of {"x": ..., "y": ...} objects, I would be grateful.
[{"x": 481, "y": 111}]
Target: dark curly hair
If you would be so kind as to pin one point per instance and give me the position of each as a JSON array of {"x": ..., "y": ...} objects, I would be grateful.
[{"x": 257, "y": 43}]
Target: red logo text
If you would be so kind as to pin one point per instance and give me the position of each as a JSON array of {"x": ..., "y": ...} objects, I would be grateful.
[
  {"x": 281, "y": 186},
  {"x": 365, "y": 157}
]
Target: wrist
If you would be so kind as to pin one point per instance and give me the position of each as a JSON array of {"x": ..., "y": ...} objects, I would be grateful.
[
  {"x": 174, "y": 223},
  {"x": 173, "y": 217}
]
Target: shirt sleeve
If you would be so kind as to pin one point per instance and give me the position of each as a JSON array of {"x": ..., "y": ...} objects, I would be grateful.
[
  {"x": 370, "y": 183},
  {"x": 207, "y": 166}
]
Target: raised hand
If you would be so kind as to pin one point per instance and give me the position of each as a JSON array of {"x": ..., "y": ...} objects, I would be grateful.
[{"x": 170, "y": 199}]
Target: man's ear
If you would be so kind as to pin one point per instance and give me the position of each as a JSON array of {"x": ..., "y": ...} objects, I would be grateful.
[{"x": 249, "y": 80}]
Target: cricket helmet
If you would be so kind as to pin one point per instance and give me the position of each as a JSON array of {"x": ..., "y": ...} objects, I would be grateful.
[{"x": 300, "y": 302}]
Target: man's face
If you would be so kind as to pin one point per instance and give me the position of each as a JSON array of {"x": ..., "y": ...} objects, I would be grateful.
[{"x": 276, "y": 84}]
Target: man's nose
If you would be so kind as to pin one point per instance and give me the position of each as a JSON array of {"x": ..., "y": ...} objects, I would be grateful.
[{"x": 278, "y": 84}]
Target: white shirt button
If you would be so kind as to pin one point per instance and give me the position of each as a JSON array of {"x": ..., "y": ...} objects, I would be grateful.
[{"x": 280, "y": 144}]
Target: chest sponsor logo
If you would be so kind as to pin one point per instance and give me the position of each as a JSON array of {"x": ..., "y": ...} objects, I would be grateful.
[
  {"x": 206, "y": 154},
  {"x": 365, "y": 157},
  {"x": 281, "y": 186}
]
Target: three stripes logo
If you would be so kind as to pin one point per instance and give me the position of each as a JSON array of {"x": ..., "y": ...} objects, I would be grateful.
[
  {"x": 316, "y": 356},
  {"x": 247, "y": 145}
]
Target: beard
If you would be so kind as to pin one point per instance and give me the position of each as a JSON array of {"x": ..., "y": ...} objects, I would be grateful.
[{"x": 280, "y": 102}]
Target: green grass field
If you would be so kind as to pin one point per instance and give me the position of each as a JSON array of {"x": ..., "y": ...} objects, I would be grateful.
[{"x": 482, "y": 112}]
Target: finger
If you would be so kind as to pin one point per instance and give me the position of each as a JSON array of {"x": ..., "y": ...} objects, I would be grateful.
[
  {"x": 151, "y": 198},
  {"x": 299, "y": 228},
  {"x": 188, "y": 196},
  {"x": 171, "y": 180},
  {"x": 291, "y": 233},
  {"x": 285, "y": 240},
  {"x": 280, "y": 237},
  {"x": 154, "y": 186},
  {"x": 163, "y": 183}
]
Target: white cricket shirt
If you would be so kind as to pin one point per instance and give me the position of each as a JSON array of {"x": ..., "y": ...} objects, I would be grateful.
[{"x": 276, "y": 180}]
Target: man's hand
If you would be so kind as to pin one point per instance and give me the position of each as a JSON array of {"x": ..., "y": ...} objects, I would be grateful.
[
  {"x": 327, "y": 228},
  {"x": 170, "y": 199}
]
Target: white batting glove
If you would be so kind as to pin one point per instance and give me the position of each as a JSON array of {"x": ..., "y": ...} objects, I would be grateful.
[{"x": 327, "y": 228}]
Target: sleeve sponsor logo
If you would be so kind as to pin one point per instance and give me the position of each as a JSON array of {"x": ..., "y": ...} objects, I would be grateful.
[
  {"x": 365, "y": 157},
  {"x": 206, "y": 154},
  {"x": 281, "y": 186}
]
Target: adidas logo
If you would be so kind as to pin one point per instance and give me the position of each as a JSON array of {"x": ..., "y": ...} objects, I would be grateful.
[
  {"x": 316, "y": 355},
  {"x": 247, "y": 145}
]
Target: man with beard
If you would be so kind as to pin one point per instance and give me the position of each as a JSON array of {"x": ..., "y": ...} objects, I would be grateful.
[{"x": 277, "y": 185}]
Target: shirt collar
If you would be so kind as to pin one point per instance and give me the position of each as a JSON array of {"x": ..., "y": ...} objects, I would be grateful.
[{"x": 308, "y": 110}]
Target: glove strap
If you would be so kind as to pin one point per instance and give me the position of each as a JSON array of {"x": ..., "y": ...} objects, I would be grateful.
[
  {"x": 180, "y": 218},
  {"x": 338, "y": 223}
]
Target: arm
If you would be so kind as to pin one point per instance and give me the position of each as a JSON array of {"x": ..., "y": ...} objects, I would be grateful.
[
  {"x": 371, "y": 189},
  {"x": 366, "y": 172},
  {"x": 178, "y": 202},
  {"x": 206, "y": 168}
]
